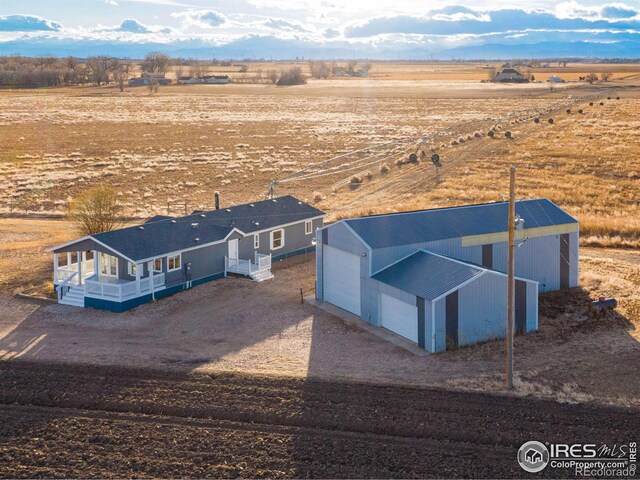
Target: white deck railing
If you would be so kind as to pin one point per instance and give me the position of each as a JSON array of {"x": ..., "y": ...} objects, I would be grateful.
[
  {"x": 122, "y": 291},
  {"x": 247, "y": 267},
  {"x": 64, "y": 287}
]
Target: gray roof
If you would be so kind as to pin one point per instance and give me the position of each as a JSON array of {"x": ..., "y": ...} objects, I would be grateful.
[
  {"x": 407, "y": 228},
  {"x": 428, "y": 275},
  {"x": 163, "y": 236}
]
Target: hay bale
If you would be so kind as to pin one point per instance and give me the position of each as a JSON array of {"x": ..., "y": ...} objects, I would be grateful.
[
  {"x": 536, "y": 120},
  {"x": 491, "y": 133},
  {"x": 384, "y": 169},
  {"x": 413, "y": 158},
  {"x": 507, "y": 134},
  {"x": 477, "y": 134},
  {"x": 356, "y": 180},
  {"x": 550, "y": 121},
  {"x": 399, "y": 162},
  {"x": 580, "y": 111},
  {"x": 317, "y": 197},
  {"x": 568, "y": 110},
  {"x": 368, "y": 175}
]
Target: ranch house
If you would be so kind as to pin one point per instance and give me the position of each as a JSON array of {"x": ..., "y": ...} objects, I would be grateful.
[
  {"x": 121, "y": 269},
  {"x": 438, "y": 277}
]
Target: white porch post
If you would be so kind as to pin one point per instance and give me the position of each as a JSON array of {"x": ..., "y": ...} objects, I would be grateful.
[
  {"x": 55, "y": 269},
  {"x": 69, "y": 261},
  {"x": 139, "y": 266},
  {"x": 80, "y": 268},
  {"x": 151, "y": 284},
  {"x": 96, "y": 265}
]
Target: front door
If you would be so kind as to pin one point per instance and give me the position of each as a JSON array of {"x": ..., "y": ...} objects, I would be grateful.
[{"x": 233, "y": 249}]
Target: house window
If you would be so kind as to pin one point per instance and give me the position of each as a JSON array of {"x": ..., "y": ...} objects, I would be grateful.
[
  {"x": 108, "y": 265},
  {"x": 256, "y": 241},
  {"x": 277, "y": 239},
  {"x": 308, "y": 227},
  {"x": 133, "y": 268},
  {"x": 173, "y": 263},
  {"x": 157, "y": 265}
]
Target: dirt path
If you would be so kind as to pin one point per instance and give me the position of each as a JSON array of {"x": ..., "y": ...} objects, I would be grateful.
[{"x": 127, "y": 423}]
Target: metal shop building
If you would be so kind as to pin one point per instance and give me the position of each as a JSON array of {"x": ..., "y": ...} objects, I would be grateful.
[{"x": 437, "y": 277}]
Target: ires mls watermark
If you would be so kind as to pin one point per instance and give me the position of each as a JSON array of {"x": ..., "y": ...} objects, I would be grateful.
[{"x": 583, "y": 459}]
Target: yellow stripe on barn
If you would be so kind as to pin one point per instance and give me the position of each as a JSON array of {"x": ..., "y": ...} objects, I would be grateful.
[{"x": 499, "y": 237}]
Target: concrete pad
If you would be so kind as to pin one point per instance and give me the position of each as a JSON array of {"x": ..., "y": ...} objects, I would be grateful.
[{"x": 379, "y": 332}]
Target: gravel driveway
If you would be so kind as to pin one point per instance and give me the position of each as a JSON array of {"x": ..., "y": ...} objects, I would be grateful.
[{"x": 262, "y": 328}]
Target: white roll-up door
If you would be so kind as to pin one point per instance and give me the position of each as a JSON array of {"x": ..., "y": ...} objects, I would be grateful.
[
  {"x": 399, "y": 317},
  {"x": 341, "y": 273}
]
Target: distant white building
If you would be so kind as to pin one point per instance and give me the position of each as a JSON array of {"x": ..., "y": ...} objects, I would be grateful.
[
  {"x": 187, "y": 80},
  {"x": 215, "y": 79},
  {"x": 555, "y": 79}
]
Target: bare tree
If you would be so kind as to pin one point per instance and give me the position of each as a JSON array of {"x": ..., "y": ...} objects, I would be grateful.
[
  {"x": 195, "y": 69},
  {"x": 319, "y": 69},
  {"x": 351, "y": 65},
  {"x": 98, "y": 69},
  {"x": 156, "y": 62},
  {"x": 96, "y": 210},
  {"x": 120, "y": 72},
  {"x": 272, "y": 75},
  {"x": 491, "y": 73},
  {"x": 591, "y": 77},
  {"x": 153, "y": 85},
  {"x": 606, "y": 76},
  {"x": 179, "y": 71}
]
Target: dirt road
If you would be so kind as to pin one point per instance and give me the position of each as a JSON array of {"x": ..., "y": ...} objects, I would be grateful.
[{"x": 131, "y": 423}]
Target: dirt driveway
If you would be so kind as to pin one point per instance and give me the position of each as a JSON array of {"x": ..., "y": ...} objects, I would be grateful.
[{"x": 262, "y": 328}]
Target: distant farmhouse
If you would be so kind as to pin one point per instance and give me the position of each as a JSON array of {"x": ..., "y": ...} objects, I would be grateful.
[
  {"x": 148, "y": 79},
  {"x": 555, "y": 79},
  {"x": 509, "y": 74},
  {"x": 121, "y": 269},
  {"x": 437, "y": 277}
]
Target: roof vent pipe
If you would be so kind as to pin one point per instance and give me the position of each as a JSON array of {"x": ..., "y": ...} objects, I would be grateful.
[{"x": 216, "y": 194}]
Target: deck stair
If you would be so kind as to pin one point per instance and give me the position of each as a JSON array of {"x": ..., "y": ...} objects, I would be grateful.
[{"x": 74, "y": 296}]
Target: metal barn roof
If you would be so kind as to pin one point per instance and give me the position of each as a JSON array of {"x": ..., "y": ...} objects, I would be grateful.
[
  {"x": 406, "y": 228},
  {"x": 428, "y": 275},
  {"x": 162, "y": 236}
]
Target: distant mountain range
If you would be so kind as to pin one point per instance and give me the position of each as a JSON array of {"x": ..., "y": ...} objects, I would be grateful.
[{"x": 270, "y": 47}]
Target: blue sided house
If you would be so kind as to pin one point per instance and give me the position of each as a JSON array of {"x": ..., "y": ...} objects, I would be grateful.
[
  {"x": 121, "y": 269},
  {"x": 438, "y": 277}
]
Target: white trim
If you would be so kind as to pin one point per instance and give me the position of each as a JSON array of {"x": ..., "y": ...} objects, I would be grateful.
[
  {"x": 281, "y": 239},
  {"x": 479, "y": 267},
  {"x": 130, "y": 269},
  {"x": 308, "y": 223},
  {"x": 283, "y": 225},
  {"x": 433, "y": 326},
  {"x": 111, "y": 249},
  {"x": 256, "y": 241},
  {"x": 109, "y": 274},
  {"x": 175, "y": 252},
  {"x": 71, "y": 242},
  {"x": 153, "y": 264},
  {"x": 460, "y": 285},
  {"x": 170, "y": 257}
]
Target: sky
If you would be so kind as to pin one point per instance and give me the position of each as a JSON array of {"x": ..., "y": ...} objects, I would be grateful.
[{"x": 393, "y": 29}]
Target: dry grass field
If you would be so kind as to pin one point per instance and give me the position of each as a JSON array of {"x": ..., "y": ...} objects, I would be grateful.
[{"x": 184, "y": 142}]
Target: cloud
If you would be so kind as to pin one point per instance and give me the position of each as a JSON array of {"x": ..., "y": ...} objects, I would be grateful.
[
  {"x": 132, "y": 26},
  {"x": 279, "y": 24},
  {"x": 200, "y": 18},
  {"x": 331, "y": 33},
  {"x": 111, "y": 2},
  {"x": 27, "y": 23},
  {"x": 457, "y": 20}
]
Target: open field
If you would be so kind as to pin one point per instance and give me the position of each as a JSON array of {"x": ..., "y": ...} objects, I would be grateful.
[
  {"x": 187, "y": 141},
  {"x": 236, "y": 325},
  {"x": 113, "y": 422}
]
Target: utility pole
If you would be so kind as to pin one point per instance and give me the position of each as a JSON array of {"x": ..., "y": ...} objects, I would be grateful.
[{"x": 511, "y": 279}]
